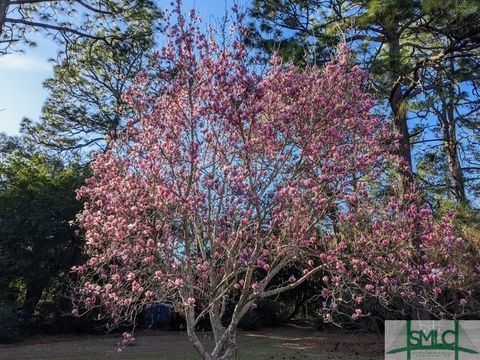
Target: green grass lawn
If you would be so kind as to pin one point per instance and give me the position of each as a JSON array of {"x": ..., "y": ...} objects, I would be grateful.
[{"x": 279, "y": 343}]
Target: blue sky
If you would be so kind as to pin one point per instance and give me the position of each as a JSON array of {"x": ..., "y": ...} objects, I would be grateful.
[
  {"x": 22, "y": 74},
  {"x": 21, "y": 91}
]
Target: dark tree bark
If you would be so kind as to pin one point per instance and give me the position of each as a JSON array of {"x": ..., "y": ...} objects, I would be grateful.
[
  {"x": 447, "y": 121},
  {"x": 32, "y": 297},
  {"x": 399, "y": 105},
  {"x": 458, "y": 181},
  {"x": 3, "y": 13}
]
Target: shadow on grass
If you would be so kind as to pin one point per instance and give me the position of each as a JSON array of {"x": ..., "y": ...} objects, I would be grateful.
[{"x": 284, "y": 343}]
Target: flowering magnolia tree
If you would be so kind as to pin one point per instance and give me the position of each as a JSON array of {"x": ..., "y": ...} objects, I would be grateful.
[{"x": 228, "y": 175}]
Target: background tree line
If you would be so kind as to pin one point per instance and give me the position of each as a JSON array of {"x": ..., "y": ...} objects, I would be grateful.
[
  {"x": 100, "y": 53},
  {"x": 423, "y": 62},
  {"x": 422, "y": 56}
]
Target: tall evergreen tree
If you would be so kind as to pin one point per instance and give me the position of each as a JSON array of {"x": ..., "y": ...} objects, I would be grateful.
[
  {"x": 398, "y": 41},
  {"x": 37, "y": 204},
  {"x": 64, "y": 21},
  {"x": 85, "y": 102},
  {"x": 449, "y": 128}
]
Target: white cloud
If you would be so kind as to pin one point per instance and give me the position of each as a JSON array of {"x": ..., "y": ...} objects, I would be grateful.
[{"x": 22, "y": 62}]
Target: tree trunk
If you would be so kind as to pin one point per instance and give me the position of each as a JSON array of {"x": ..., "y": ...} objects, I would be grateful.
[
  {"x": 3, "y": 13},
  {"x": 225, "y": 343},
  {"x": 217, "y": 326},
  {"x": 230, "y": 349},
  {"x": 32, "y": 297},
  {"x": 192, "y": 335},
  {"x": 399, "y": 104},
  {"x": 62, "y": 301},
  {"x": 225, "y": 338},
  {"x": 447, "y": 120},
  {"x": 450, "y": 143}
]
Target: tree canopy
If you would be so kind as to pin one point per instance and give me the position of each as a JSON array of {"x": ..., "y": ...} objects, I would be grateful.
[
  {"x": 65, "y": 21},
  {"x": 37, "y": 204},
  {"x": 400, "y": 42},
  {"x": 225, "y": 176}
]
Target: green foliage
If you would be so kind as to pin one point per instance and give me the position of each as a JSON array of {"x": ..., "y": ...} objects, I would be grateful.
[
  {"x": 38, "y": 244},
  {"x": 67, "y": 21},
  {"x": 85, "y": 102},
  {"x": 9, "y": 330},
  {"x": 37, "y": 241},
  {"x": 423, "y": 57},
  {"x": 432, "y": 173}
]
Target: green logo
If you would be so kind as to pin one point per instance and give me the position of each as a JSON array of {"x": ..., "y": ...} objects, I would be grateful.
[{"x": 431, "y": 338}]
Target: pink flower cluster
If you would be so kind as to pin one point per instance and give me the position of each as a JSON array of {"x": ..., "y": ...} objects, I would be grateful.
[
  {"x": 398, "y": 251},
  {"x": 128, "y": 338}
]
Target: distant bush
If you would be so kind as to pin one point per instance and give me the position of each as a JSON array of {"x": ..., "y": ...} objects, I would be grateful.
[
  {"x": 10, "y": 330},
  {"x": 267, "y": 313}
]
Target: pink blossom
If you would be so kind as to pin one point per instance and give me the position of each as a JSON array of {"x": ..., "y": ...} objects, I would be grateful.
[
  {"x": 325, "y": 293},
  {"x": 356, "y": 315},
  {"x": 327, "y": 318},
  {"x": 158, "y": 274},
  {"x": 359, "y": 299},
  {"x": 190, "y": 302},
  {"x": 131, "y": 276}
]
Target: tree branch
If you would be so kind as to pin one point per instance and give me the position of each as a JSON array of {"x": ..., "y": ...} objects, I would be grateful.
[{"x": 52, "y": 27}]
